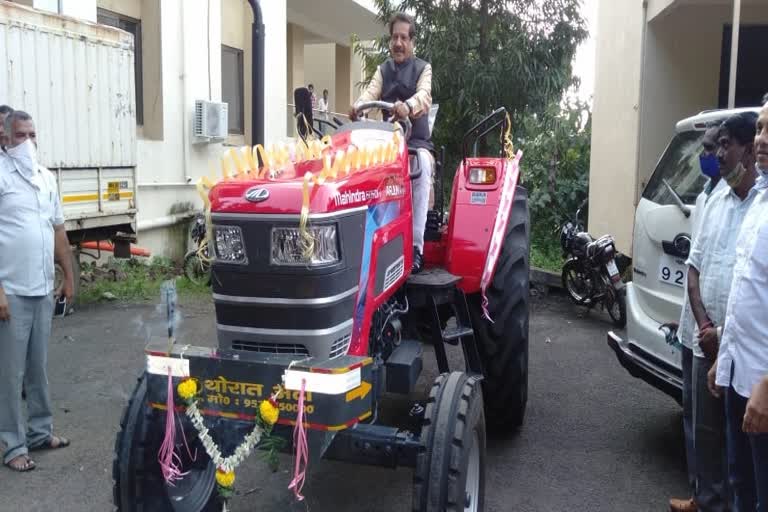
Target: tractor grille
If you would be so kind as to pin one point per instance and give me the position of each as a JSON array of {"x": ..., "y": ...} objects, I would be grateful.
[
  {"x": 340, "y": 346},
  {"x": 271, "y": 348}
]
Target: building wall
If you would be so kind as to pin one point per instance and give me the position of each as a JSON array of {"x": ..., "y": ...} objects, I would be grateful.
[
  {"x": 181, "y": 54},
  {"x": 615, "y": 120},
  {"x": 647, "y": 80},
  {"x": 319, "y": 69},
  {"x": 682, "y": 72}
]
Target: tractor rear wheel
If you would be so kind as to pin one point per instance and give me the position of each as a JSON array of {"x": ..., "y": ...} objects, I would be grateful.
[
  {"x": 138, "y": 481},
  {"x": 450, "y": 471},
  {"x": 503, "y": 344}
]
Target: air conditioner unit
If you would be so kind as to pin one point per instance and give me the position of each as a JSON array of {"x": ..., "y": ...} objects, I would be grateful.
[{"x": 211, "y": 121}]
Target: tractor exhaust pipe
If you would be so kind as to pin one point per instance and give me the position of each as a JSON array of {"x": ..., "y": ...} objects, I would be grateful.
[{"x": 257, "y": 75}]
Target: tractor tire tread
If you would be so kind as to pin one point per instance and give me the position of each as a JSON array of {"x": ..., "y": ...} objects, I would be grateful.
[
  {"x": 503, "y": 344},
  {"x": 453, "y": 406}
]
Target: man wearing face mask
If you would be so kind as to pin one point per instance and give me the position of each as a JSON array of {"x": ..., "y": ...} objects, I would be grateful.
[
  {"x": 709, "y": 278},
  {"x": 742, "y": 359},
  {"x": 31, "y": 233},
  {"x": 406, "y": 81},
  {"x": 710, "y": 167}
]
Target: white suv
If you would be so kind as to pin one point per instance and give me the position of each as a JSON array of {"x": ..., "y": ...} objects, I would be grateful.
[{"x": 660, "y": 248}]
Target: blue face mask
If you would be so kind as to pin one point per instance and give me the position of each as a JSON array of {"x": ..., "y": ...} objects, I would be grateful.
[{"x": 710, "y": 165}]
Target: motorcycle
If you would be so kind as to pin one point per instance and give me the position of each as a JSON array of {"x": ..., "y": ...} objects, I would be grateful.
[
  {"x": 590, "y": 274},
  {"x": 197, "y": 266}
]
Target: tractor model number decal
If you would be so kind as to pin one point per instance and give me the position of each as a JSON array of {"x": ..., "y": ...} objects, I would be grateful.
[
  {"x": 352, "y": 197},
  {"x": 393, "y": 188},
  {"x": 478, "y": 198}
]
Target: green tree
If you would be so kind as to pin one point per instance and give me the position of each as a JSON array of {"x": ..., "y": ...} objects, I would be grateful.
[{"x": 486, "y": 54}]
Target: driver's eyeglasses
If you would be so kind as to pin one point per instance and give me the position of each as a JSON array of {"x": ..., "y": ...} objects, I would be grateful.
[{"x": 394, "y": 38}]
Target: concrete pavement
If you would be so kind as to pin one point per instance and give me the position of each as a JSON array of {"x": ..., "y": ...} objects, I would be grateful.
[{"x": 595, "y": 439}]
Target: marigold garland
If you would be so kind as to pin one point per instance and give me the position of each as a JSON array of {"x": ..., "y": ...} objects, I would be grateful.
[{"x": 266, "y": 417}]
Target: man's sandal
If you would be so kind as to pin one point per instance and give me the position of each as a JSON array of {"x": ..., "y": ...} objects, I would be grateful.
[
  {"x": 52, "y": 443},
  {"x": 22, "y": 464}
]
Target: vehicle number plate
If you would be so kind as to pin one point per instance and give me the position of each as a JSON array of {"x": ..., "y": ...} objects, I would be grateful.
[
  {"x": 612, "y": 268},
  {"x": 672, "y": 271},
  {"x": 113, "y": 190}
]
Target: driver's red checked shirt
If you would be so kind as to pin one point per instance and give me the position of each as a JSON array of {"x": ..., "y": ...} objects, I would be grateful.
[{"x": 420, "y": 102}]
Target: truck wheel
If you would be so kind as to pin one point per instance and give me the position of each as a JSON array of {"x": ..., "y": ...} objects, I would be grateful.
[
  {"x": 138, "y": 481},
  {"x": 59, "y": 275},
  {"x": 503, "y": 344},
  {"x": 450, "y": 470}
]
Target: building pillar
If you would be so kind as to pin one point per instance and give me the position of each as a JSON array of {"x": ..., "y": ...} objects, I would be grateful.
[
  {"x": 295, "y": 45},
  {"x": 342, "y": 98},
  {"x": 275, "y": 69}
]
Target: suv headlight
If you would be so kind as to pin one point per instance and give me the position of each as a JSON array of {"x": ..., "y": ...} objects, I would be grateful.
[
  {"x": 287, "y": 246},
  {"x": 230, "y": 247}
]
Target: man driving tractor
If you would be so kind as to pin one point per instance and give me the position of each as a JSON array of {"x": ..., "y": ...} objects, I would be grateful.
[{"x": 406, "y": 81}]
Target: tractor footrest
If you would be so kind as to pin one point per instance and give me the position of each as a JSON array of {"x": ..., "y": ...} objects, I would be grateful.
[
  {"x": 375, "y": 445},
  {"x": 404, "y": 367},
  {"x": 453, "y": 335},
  {"x": 433, "y": 278},
  {"x": 435, "y": 283},
  {"x": 232, "y": 384}
]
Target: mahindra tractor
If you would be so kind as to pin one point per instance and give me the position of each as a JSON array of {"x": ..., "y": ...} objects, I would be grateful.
[{"x": 320, "y": 321}]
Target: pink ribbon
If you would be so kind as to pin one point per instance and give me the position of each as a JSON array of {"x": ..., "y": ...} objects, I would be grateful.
[
  {"x": 166, "y": 456},
  {"x": 300, "y": 445},
  {"x": 499, "y": 228}
]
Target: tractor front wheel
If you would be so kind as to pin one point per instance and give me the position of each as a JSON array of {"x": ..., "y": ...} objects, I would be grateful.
[
  {"x": 503, "y": 343},
  {"x": 138, "y": 482},
  {"x": 450, "y": 471}
]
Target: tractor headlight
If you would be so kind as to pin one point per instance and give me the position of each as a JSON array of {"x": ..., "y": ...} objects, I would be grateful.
[
  {"x": 288, "y": 246},
  {"x": 230, "y": 247},
  {"x": 482, "y": 176}
]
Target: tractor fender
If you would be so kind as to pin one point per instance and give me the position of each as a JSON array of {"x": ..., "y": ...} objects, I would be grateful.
[{"x": 475, "y": 214}]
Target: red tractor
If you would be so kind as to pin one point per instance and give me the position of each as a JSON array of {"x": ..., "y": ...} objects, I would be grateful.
[{"x": 347, "y": 321}]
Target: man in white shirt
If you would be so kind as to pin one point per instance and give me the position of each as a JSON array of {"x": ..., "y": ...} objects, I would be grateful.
[
  {"x": 742, "y": 361},
  {"x": 709, "y": 282},
  {"x": 31, "y": 232},
  {"x": 756, "y": 416},
  {"x": 322, "y": 105},
  {"x": 710, "y": 167}
]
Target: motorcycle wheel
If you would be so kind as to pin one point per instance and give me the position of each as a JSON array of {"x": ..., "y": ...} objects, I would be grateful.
[
  {"x": 576, "y": 283},
  {"x": 196, "y": 270}
]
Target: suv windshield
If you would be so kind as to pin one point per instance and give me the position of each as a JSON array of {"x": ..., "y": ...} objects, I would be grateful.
[{"x": 680, "y": 168}]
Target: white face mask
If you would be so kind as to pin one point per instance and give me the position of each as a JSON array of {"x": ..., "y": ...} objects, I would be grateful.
[{"x": 25, "y": 155}]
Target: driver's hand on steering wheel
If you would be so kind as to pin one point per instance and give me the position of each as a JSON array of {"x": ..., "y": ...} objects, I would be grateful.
[
  {"x": 353, "y": 113},
  {"x": 401, "y": 110}
]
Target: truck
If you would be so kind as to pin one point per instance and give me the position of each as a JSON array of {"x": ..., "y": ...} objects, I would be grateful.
[{"x": 76, "y": 80}]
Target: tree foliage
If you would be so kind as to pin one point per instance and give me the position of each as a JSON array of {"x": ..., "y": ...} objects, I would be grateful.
[{"x": 512, "y": 53}]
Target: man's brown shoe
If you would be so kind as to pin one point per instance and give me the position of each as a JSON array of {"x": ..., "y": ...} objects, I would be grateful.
[{"x": 677, "y": 505}]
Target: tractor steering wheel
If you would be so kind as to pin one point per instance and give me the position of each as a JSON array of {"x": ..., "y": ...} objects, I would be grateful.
[{"x": 389, "y": 107}]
